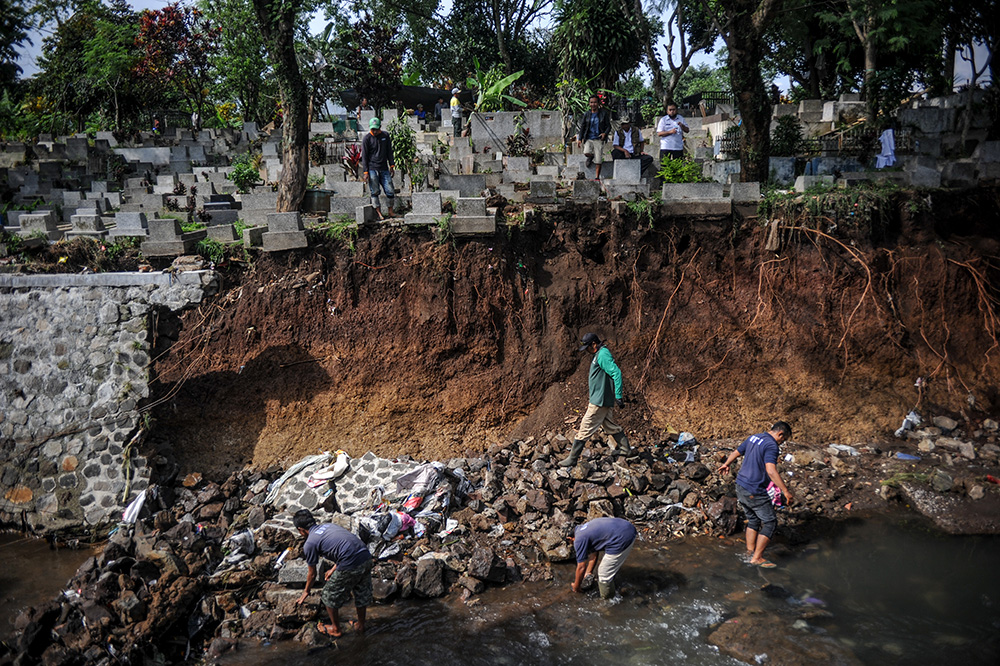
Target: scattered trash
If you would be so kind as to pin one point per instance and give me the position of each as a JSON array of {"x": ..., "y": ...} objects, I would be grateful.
[
  {"x": 992, "y": 479},
  {"x": 332, "y": 472},
  {"x": 275, "y": 487},
  {"x": 911, "y": 421},
  {"x": 843, "y": 448},
  {"x": 281, "y": 558},
  {"x": 240, "y": 546},
  {"x": 906, "y": 456},
  {"x": 450, "y": 526},
  {"x": 131, "y": 513},
  {"x": 774, "y": 492}
]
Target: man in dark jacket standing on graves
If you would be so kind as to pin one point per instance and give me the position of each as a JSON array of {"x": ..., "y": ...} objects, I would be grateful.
[
  {"x": 593, "y": 132},
  {"x": 605, "y": 383},
  {"x": 760, "y": 463},
  {"x": 351, "y": 573},
  {"x": 378, "y": 164}
]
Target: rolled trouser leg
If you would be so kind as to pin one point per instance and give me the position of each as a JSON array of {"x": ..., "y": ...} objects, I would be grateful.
[
  {"x": 574, "y": 454},
  {"x": 623, "y": 448}
]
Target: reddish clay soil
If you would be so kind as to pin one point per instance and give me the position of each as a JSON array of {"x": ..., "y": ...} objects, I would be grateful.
[{"x": 409, "y": 346}]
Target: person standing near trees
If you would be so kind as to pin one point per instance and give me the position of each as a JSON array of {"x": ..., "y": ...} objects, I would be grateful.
[
  {"x": 456, "y": 112},
  {"x": 605, "y": 384},
  {"x": 671, "y": 130},
  {"x": 593, "y": 132},
  {"x": 378, "y": 164},
  {"x": 760, "y": 463}
]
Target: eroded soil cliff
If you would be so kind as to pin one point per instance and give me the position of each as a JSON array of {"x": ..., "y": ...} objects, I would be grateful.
[{"x": 404, "y": 344}]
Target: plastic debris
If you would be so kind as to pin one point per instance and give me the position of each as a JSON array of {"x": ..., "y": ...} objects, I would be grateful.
[
  {"x": 843, "y": 448},
  {"x": 906, "y": 456},
  {"x": 911, "y": 421},
  {"x": 131, "y": 513},
  {"x": 275, "y": 487},
  {"x": 450, "y": 526}
]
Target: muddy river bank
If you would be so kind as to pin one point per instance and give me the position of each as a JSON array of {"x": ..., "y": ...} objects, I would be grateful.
[
  {"x": 866, "y": 573},
  {"x": 882, "y": 591}
]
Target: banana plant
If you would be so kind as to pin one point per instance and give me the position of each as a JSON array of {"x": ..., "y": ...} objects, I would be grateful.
[{"x": 491, "y": 87}]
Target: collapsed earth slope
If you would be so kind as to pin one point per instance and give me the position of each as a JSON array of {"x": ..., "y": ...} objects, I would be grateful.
[{"x": 397, "y": 343}]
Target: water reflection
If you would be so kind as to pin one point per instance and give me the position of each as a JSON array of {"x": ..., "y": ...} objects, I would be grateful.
[
  {"x": 32, "y": 573},
  {"x": 889, "y": 593}
]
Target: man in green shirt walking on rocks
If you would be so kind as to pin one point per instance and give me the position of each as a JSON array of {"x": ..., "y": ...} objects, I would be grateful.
[{"x": 605, "y": 394}]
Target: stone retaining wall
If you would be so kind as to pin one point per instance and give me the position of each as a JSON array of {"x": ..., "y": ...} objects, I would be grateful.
[{"x": 74, "y": 369}]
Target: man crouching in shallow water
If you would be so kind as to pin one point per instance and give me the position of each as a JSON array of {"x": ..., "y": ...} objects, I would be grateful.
[
  {"x": 351, "y": 572},
  {"x": 613, "y": 538}
]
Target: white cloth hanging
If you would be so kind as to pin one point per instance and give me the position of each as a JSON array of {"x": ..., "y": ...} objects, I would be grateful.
[{"x": 888, "y": 155}]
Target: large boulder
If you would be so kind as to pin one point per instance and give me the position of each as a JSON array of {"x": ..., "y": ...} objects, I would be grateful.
[
  {"x": 430, "y": 578},
  {"x": 485, "y": 565},
  {"x": 724, "y": 514},
  {"x": 555, "y": 545}
]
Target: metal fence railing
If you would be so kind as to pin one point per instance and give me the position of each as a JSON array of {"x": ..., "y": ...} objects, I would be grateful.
[{"x": 855, "y": 141}]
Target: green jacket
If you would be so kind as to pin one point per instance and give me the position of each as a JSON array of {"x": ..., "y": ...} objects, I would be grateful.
[{"x": 605, "y": 379}]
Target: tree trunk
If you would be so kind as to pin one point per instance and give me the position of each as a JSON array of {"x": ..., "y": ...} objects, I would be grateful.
[
  {"x": 745, "y": 56},
  {"x": 277, "y": 24},
  {"x": 948, "y": 67},
  {"x": 871, "y": 97},
  {"x": 501, "y": 42}
]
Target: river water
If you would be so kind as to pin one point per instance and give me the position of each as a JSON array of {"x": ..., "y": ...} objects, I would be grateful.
[
  {"x": 32, "y": 572},
  {"x": 896, "y": 592}
]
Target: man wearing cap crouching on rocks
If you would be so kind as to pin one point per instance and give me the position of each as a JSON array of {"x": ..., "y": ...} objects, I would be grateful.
[
  {"x": 351, "y": 574},
  {"x": 605, "y": 394}
]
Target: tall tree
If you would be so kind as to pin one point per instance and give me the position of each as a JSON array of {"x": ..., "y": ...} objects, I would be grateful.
[
  {"x": 511, "y": 19},
  {"x": 897, "y": 38},
  {"x": 111, "y": 57},
  {"x": 800, "y": 46},
  {"x": 688, "y": 32},
  {"x": 742, "y": 24},
  {"x": 278, "y": 20},
  {"x": 13, "y": 33},
  {"x": 373, "y": 60},
  {"x": 240, "y": 64},
  {"x": 594, "y": 43},
  {"x": 177, "y": 43}
]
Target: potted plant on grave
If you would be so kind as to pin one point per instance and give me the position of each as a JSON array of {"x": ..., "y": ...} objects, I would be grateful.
[
  {"x": 351, "y": 161},
  {"x": 316, "y": 199}
]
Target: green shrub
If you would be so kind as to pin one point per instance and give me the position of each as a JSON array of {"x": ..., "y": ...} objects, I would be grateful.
[
  {"x": 212, "y": 250},
  {"x": 680, "y": 171},
  {"x": 786, "y": 140},
  {"x": 244, "y": 173}
]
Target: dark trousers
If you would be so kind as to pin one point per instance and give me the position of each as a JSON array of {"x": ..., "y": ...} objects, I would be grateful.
[
  {"x": 674, "y": 154},
  {"x": 644, "y": 160}
]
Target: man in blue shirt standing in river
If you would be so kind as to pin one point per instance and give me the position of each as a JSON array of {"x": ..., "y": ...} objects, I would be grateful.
[
  {"x": 614, "y": 537},
  {"x": 605, "y": 382},
  {"x": 760, "y": 463}
]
